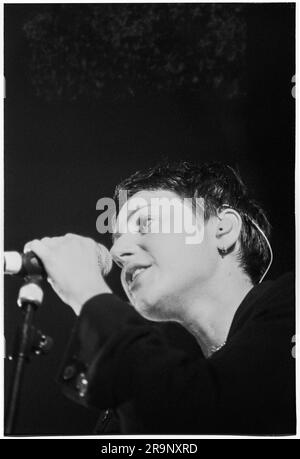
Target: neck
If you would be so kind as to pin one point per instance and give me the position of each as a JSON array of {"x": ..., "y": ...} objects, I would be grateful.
[{"x": 208, "y": 313}]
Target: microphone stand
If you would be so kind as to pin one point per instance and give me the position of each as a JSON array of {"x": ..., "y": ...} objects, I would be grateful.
[{"x": 30, "y": 341}]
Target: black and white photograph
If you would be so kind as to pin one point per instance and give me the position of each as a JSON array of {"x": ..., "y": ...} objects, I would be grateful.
[{"x": 149, "y": 221}]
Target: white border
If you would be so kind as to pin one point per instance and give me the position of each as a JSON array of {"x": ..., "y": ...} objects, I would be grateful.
[{"x": 297, "y": 208}]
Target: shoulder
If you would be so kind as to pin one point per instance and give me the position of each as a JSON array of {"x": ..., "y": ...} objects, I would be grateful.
[
  {"x": 276, "y": 294},
  {"x": 271, "y": 300}
]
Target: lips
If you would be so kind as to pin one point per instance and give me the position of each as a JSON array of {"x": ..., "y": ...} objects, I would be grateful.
[{"x": 133, "y": 272}]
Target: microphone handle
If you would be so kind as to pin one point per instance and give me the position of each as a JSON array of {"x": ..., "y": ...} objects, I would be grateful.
[
  {"x": 23, "y": 264},
  {"x": 32, "y": 265},
  {"x": 29, "y": 264}
]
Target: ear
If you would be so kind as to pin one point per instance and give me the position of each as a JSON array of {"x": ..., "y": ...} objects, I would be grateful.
[{"x": 228, "y": 229}]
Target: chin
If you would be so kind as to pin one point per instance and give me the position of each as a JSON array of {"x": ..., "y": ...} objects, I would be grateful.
[
  {"x": 152, "y": 310},
  {"x": 147, "y": 311}
]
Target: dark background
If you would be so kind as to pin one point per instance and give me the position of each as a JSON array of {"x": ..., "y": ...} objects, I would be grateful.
[{"x": 69, "y": 141}]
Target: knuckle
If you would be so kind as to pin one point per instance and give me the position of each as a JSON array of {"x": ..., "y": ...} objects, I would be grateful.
[
  {"x": 46, "y": 240},
  {"x": 29, "y": 245},
  {"x": 50, "y": 242},
  {"x": 38, "y": 247},
  {"x": 26, "y": 247},
  {"x": 71, "y": 237}
]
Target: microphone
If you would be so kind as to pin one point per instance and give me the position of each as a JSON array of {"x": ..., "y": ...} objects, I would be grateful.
[{"x": 28, "y": 264}]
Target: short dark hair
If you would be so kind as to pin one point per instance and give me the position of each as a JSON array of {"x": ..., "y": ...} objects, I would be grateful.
[{"x": 217, "y": 184}]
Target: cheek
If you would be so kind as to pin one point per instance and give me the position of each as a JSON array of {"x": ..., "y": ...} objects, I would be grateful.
[
  {"x": 189, "y": 263},
  {"x": 172, "y": 254},
  {"x": 177, "y": 263}
]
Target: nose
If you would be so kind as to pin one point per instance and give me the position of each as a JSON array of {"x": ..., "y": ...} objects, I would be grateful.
[{"x": 123, "y": 249}]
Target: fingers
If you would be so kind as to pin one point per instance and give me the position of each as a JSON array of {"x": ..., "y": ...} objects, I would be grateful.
[
  {"x": 43, "y": 247},
  {"x": 40, "y": 248},
  {"x": 43, "y": 244},
  {"x": 72, "y": 265}
]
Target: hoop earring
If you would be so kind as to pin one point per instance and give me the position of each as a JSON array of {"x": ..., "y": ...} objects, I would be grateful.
[{"x": 223, "y": 251}]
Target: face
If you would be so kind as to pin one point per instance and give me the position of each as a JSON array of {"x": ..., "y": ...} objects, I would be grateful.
[{"x": 163, "y": 267}]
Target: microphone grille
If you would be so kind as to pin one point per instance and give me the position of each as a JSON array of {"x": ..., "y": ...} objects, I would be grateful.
[
  {"x": 104, "y": 260},
  {"x": 12, "y": 262}
]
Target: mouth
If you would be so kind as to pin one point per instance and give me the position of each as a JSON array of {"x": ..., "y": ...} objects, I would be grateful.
[{"x": 134, "y": 273}]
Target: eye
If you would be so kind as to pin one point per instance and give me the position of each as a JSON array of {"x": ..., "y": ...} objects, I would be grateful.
[{"x": 144, "y": 223}]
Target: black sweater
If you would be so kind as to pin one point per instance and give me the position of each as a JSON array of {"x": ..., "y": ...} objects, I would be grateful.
[{"x": 118, "y": 360}]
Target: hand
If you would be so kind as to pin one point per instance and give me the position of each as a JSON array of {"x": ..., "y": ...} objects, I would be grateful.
[{"x": 71, "y": 263}]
